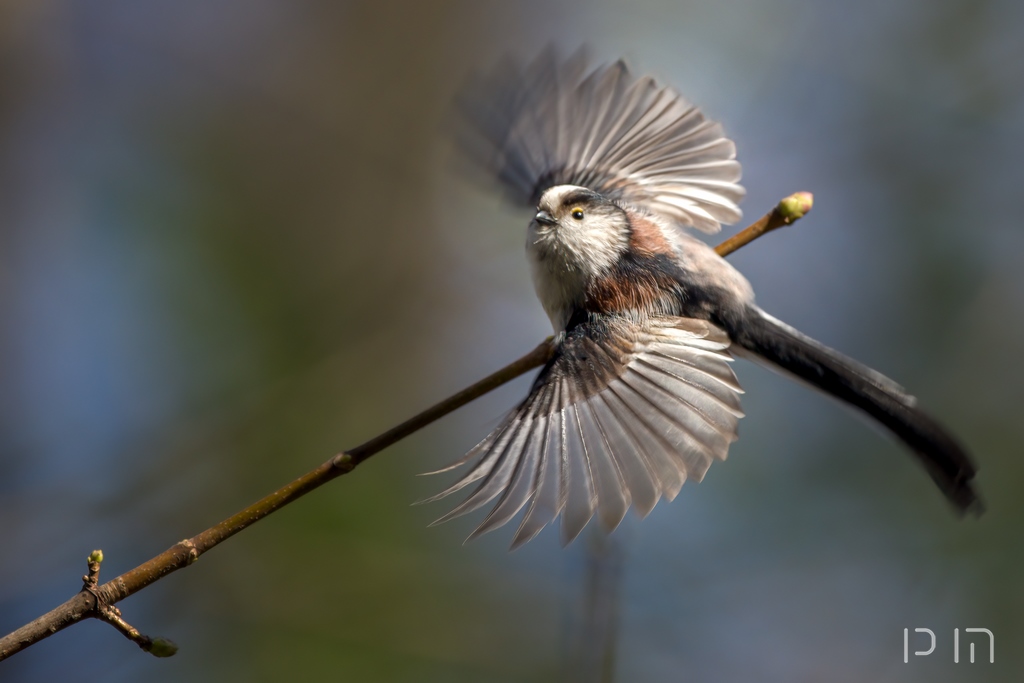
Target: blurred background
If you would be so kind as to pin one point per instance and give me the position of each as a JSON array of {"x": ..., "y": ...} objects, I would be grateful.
[{"x": 231, "y": 244}]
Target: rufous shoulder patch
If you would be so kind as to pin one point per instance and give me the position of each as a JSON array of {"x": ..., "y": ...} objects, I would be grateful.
[{"x": 646, "y": 238}]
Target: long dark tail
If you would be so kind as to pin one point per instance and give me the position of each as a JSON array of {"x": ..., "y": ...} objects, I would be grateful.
[{"x": 785, "y": 348}]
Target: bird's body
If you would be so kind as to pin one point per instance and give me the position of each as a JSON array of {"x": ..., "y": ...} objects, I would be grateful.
[
  {"x": 639, "y": 395},
  {"x": 623, "y": 261}
]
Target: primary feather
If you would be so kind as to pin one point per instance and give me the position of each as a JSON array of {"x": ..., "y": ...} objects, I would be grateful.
[
  {"x": 629, "y": 139},
  {"x": 623, "y": 414}
]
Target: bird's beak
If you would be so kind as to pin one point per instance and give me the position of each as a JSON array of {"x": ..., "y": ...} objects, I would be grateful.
[{"x": 545, "y": 218}]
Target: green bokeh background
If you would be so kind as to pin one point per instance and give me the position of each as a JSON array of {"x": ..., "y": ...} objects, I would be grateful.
[{"x": 232, "y": 243}]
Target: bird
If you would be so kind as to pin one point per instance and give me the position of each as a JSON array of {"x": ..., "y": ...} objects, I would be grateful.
[{"x": 639, "y": 394}]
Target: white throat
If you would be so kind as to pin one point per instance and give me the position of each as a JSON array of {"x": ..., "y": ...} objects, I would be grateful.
[{"x": 567, "y": 257}]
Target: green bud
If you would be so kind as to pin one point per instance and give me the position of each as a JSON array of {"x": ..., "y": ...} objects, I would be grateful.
[
  {"x": 344, "y": 462},
  {"x": 796, "y": 206},
  {"x": 162, "y": 647},
  {"x": 96, "y": 556}
]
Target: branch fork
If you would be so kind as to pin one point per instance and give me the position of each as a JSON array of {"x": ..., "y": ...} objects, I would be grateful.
[{"x": 158, "y": 647}]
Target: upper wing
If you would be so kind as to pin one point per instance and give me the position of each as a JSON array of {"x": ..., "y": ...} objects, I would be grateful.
[
  {"x": 622, "y": 414},
  {"x": 556, "y": 123}
]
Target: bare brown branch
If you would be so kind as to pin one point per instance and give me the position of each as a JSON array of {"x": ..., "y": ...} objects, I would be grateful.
[
  {"x": 97, "y": 601},
  {"x": 789, "y": 210}
]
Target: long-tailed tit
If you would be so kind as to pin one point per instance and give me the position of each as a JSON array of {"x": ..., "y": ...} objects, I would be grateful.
[{"x": 639, "y": 395}]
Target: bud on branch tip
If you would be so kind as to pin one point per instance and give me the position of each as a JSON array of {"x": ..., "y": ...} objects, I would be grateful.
[
  {"x": 796, "y": 206},
  {"x": 161, "y": 647}
]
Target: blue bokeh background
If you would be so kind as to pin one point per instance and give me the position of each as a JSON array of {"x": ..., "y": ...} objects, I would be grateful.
[{"x": 231, "y": 244}]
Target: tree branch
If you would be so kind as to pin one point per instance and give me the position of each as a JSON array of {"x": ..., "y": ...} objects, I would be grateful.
[
  {"x": 96, "y": 601},
  {"x": 788, "y": 211}
]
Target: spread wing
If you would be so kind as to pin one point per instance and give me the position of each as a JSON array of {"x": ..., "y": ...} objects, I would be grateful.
[
  {"x": 623, "y": 414},
  {"x": 556, "y": 123}
]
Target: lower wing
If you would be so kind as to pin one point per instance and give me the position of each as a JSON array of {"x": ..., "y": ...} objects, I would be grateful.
[{"x": 623, "y": 414}]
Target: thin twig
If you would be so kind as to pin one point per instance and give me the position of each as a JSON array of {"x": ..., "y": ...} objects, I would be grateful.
[
  {"x": 158, "y": 647},
  {"x": 789, "y": 210},
  {"x": 93, "y": 601},
  {"x": 97, "y": 601}
]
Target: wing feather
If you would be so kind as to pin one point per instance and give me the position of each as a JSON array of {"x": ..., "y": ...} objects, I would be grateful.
[
  {"x": 581, "y": 498},
  {"x": 637, "y": 475},
  {"x": 693, "y": 455},
  {"x": 554, "y": 122},
  {"x": 545, "y": 504},
  {"x": 623, "y": 414},
  {"x": 659, "y": 454},
  {"x": 498, "y": 476}
]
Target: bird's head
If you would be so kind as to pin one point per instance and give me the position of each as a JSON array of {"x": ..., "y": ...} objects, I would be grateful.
[
  {"x": 577, "y": 230},
  {"x": 576, "y": 238}
]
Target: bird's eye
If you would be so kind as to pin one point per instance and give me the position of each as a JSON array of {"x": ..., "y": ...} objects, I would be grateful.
[{"x": 577, "y": 213}]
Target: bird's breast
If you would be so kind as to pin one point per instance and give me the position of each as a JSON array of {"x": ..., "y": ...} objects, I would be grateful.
[
  {"x": 635, "y": 286},
  {"x": 560, "y": 285}
]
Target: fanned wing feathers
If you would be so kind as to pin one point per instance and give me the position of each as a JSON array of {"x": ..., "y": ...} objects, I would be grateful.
[
  {"x": 554, "y": 123},
  {"x": 627, "y": 409},
  {"x": 623, "y": 414}
]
